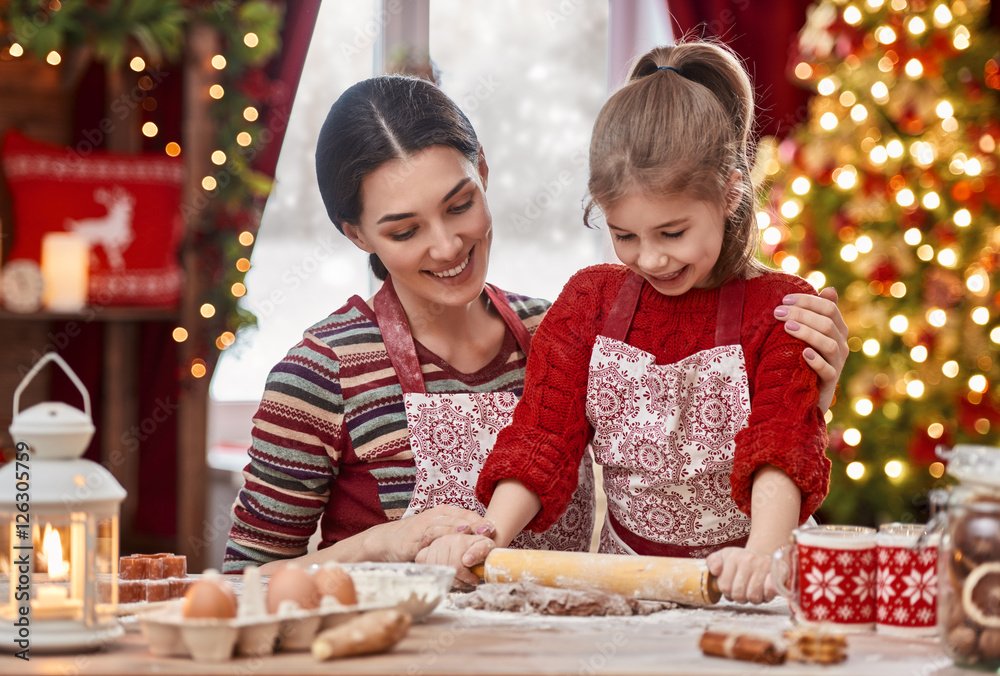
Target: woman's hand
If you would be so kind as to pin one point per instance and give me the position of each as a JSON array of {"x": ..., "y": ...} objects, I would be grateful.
[
  {"x": 451, "y": 550},
  {"x": 817, "y": 321},
  {"x": 743, "y": 574},
  {"x": 401, "y": 540}
]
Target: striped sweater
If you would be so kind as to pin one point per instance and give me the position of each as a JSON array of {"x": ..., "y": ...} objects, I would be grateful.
[{"x": 330, "y": 442}]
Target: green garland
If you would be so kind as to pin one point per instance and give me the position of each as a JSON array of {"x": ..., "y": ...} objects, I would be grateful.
[{"x": 115, "y": 29}]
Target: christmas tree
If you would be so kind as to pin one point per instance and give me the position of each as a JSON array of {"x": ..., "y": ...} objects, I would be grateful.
[{"x": 888, "y": 191}]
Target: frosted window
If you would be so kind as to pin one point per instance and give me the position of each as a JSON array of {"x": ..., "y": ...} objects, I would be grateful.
[{"x": 530, "y": 75}]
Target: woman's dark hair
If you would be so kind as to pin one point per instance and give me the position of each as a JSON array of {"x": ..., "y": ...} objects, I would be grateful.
[{"x": 377, "y": 120}]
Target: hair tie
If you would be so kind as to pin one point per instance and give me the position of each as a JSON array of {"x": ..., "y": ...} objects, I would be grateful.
[{"x": 669, "y": 68}]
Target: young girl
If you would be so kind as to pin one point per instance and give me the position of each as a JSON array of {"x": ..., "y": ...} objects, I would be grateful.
[
  {"x": 699, "y": 406},
  {"x": 374, "y": 428}
]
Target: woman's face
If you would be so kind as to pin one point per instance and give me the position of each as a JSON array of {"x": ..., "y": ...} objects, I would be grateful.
[{"x": 427, "y": 220}]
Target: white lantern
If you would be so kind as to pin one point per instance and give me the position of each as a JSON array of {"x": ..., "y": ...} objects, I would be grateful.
[{"x": 58, "y": 531}]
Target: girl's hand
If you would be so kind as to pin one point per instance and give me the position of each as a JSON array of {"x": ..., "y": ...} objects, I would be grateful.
[
  {"x": 401, "y": 540},
  {"x": 817, "y": 321},
  {"x": 743, "y": 574},
  {"x": 450, "y": 550}
]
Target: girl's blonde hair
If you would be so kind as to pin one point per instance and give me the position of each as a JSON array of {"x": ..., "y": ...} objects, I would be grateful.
[{"x": 681, "y": 133}]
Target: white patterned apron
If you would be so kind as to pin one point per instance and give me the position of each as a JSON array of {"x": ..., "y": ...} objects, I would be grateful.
[
  {"x": 665, "y": 435},
  {"x": 452, "y": 434}
]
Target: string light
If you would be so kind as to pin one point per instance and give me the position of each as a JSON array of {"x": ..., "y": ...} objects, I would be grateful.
[
  {"x": 871, "y": 347},
  {"x": 981, "y": 315},
  {"x": 925, "y": 252},
  {"x": 16, "y": 50},
  {"x": 243, "y": 264},
  {"x": 771, "y": 236},
  {"x": 859, "y": 113},
  {"x": 800, "y": 186},
  {"x": 885, "y": 35},
  {"x": 250, "y": 114},
  {"x": 849, "y": 253},
  {"x": 931, "y": 200},
  {"x": 935, "y": 430},
  {"x": 207, "y": 310},
  {"x": 855, "y": 470},
  {"x": 826, "y": 86},
  {"x": 246, "y": 238},
  {"x": 863, "y": 244},
  {"x": 852, "y": 15},
  {"x": 936, "y": 470},
  {"x": 977, "y": 383},
  {"x": 216, "y": 91},
  {"x": 847, "y": 99},
  {"x": 916, "y": 25},
  {"x": 149, "y": 129},
  {"x": 894, "y": 148},
  {"x": 912, "y": 236},
  {"x": 880, "y": 92},
  {"x": 863, "y": 406},
  {"x": 198, "y": 368},
  {"x": 898, "y": 324},
  {"x": 238, "y": 290},
  {"x": 905, "y": 197},
  {"x": 942, "y": 16},
  {"x": 915, "y": 389},
  {"x": 803, "y": 71},
  {"x": 919, "y": 354},
  {"x": 243, "y": 139},
  {"x": 137, "y": 64},
  {"x": 879, "y": 155},
  {"x": 897, "y": 290},
  {"x": 828, "y": 121},
  {"x": 914, "y": 68},
  {"x": 790, "y": 208},
  {"x": 972, "y": 167},
  {"x": 208, "y": 183},
  {"x": 172, "y": 149},
  {"x": 218, "y": 157},
  {"x": 251, "y": 40},
  {"x": 53, "y": 58},
  {"x": 937, "y": 317},
  {"x": 995, "y": 334},
  {"x": 949, "y": 124},
  {"x": 961, "y": 40},
  {"x": 947, "y": 258},
  {"x": 852, "y": 436},
  {"x": 893, "y": 469},
  {"x": 817, "y": 279},
  {"x": 218, "y": 62},
  {"x": 180, "y": 334}
]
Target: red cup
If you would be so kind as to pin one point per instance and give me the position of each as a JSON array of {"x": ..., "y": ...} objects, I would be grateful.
[
  {"x": 827, "y": 573},
  {"x": 907, "y": 581}
]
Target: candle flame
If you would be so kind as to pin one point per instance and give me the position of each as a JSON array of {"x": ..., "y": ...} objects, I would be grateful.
[{"x": 52, "y": 548}]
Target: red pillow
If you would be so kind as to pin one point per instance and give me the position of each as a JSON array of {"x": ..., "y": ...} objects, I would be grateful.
[{"x": 126, "y": 206}]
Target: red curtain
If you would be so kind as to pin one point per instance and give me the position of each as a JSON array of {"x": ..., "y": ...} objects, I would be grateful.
[
  {"x": 157, "y": 355},
  {"x": 761, "y": 32}
]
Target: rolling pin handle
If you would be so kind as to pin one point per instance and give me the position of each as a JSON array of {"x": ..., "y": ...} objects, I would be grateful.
[
  {"x": 479, "y": 570},
  {"x": 712, "y": 591}
]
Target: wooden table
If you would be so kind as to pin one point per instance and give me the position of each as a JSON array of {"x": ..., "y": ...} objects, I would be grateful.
[{"x": 466, "y": 641}]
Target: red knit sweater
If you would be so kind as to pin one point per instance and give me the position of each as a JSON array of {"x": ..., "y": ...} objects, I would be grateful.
[{"x": 543, "y": 446}]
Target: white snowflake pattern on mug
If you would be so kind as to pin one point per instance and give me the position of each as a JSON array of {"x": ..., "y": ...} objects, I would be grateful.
[
  {"x": 824, "y": 584},
  {"x": 920, "y": 586}
]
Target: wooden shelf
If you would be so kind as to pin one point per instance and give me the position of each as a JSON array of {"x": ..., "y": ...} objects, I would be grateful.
[{"x": 97, "y": 314}]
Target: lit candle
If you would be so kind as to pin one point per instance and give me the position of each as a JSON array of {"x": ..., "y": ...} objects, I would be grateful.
[
  {"x": 65, "y": 266},
  {"x": 52, "y": 600}
]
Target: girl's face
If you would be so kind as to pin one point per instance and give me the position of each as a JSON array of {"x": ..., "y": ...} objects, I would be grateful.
[
  {"x": 672, "y": 241},
  {"x": 426, "y": 217}
]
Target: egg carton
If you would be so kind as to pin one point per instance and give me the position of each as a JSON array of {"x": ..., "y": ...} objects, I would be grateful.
[
  {"x": 417, "y": 589},
  {"x": 170, "y": 634}
]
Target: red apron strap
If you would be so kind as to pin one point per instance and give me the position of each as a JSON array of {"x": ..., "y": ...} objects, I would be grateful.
[
  {"x": 510, "y": 317},
  {"x": 619, "y": 319},
  {"x": 729, "y": 319},
  {"x": 644, "y": 547},
  {"x": 398, "y": 340}
]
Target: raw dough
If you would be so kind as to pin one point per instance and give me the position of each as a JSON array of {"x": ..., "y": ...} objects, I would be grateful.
[{"x": 527, "y": 597}]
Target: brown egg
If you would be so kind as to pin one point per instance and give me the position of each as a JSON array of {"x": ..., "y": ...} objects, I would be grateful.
[
  {"x": 292, "y": 583},
  {"x": 210, "y": 597},
  {"x": 336, "y": 582}
]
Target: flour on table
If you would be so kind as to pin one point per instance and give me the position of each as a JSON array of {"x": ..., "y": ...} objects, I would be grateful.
[{"x": 530, "y": 598}]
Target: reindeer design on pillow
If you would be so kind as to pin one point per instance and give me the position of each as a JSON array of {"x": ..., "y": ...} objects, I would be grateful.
[{"x": 113, "y": 231}]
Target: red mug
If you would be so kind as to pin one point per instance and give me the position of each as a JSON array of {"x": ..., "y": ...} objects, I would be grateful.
[
  {"x": 827, "y": 573},
  {"x": 907, "y": 580}
]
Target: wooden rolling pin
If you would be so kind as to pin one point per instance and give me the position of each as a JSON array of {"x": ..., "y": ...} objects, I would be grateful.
[{"x": 654, "y": 578}]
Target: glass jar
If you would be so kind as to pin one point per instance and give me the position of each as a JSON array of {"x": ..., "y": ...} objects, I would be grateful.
[{"x": 969, "y": 563}]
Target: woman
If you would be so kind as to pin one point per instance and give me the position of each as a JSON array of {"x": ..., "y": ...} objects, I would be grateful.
[{"x": 388, "y": 407}]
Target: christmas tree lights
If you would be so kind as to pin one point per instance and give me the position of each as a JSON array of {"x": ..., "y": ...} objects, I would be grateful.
[{"x": 889, "y": 192}]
